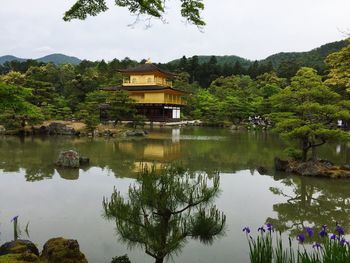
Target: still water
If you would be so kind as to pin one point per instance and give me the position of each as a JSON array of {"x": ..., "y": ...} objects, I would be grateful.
[{"x": 68, "y": 203}]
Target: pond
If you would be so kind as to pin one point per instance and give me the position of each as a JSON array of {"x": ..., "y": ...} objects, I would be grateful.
[{"x": 68, "y": 203}]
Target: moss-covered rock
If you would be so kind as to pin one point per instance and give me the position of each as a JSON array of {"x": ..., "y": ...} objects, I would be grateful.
[
  {"x": 19, "y": 251},
  {"x": 68, "y": 159},
  {"x": 60, "y": 250},
  {"x": 18, "y": 247}
]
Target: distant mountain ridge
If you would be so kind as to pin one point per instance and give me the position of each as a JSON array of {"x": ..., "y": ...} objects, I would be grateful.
[
  {"x": 313, "y": 58},
  {"x": 52, "y": 58},
  {"x": 221, "y": 60}
]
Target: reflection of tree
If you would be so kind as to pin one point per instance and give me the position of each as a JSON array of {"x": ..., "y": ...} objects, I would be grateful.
[
  {"x": 312, "y": 202},
  {"x": 199, "y": 152},
  {"x": 39, "y": 173},
  {"x": 164, "y": 209}
]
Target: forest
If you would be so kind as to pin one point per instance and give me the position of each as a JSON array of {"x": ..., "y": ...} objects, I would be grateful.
[{"x": 299, "y": 100}]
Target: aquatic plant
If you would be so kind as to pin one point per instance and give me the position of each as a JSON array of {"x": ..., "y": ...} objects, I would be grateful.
[
  {"x": 268, "y": 248},
  {"x": 16, "y": 230}
]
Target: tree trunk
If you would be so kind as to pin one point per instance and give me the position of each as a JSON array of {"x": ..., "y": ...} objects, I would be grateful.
[
  {"x": 314, "y": 153},
  {"x": 304, "y": 155},
  {"x": 159, "y": 260},
  {"x": 305, "y": 149}
]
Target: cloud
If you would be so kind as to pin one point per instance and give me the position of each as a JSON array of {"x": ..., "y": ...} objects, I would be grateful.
[
  {"x": 249, "y": 28},
  {"x": 44, "y": 50}
]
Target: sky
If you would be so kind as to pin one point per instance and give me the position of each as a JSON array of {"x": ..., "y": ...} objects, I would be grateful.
[{"x": 253, "y": 29}]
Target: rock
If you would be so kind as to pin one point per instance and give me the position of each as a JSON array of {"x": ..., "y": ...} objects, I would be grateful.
[
  {"x": 136, "y": 133},
  {"x": 84, "y": 160},
  {"x": 69, "y": 159},
  {"x": 312, "y": 168},
  {"x": 326, "y": 163},
  {"x": 345, "y": 167},
  {"x": 233, "y": 127},
  {"x": 23, "y": 247},
  {"x": 60, "y": 250},
  {"x": 60, "y": 129},
  {"x": 307, "y": 168},
  {"x": 20, "y": 258},
  {"x": 280, "y": 165}
]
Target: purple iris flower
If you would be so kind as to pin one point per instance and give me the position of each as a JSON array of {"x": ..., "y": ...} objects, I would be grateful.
[
  {"x": 323, "y": 233},
  {"x": 269, "y": 227},
  {"x": 14, "y": 218},
  {"x": 343, "y": 242},
  {"x": 324, "y": 227},
  {"x": 246, "y": 230},
  {"x": 309, "y": 231},
  {"x": 301, "y": 238},
  {"x": 316, "y": 245},
  {"x": 333, "y": 236},
  {"x": 340, "y": 230},
  {"x": 261, "y": 229}
]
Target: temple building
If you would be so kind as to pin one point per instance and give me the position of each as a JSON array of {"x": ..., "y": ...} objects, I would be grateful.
[{"x": 151, "y": 89}]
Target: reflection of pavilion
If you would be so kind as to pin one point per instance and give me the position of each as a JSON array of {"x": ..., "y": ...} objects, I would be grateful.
[
  {"x": 156, "y": 152},
  {"x": 152, "y": 151}
]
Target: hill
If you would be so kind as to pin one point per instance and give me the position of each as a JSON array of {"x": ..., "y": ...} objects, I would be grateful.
[
  {"x": 59, "y": 59},
  {"x": 221, "y": 60},
  {"x": 313, "y": 58},
  {"x": 52, "y": 58},
  {"x": 9, "y": 58}
]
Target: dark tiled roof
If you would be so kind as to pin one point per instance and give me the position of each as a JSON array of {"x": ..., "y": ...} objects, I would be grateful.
[
  {"x": 136, "y": 88},
  {"x": 146, "y": 68}
]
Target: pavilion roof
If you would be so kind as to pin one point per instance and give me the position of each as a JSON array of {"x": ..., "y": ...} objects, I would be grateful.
[
  {"x": 147, "y": 67},
  {"x": 140, "y": 88}
]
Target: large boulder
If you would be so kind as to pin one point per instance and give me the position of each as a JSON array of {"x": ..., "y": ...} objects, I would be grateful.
[
  {"x": 68, "y": 159},
  {"x": 19, "y": 251},
  {"x": 60, "y": 250},
  {"x": 18, "y": 247},
  {"x": 60, "y": 129}
]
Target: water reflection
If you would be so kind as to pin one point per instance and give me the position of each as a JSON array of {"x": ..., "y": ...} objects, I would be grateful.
[
  {"x": 164, "y": 209},
  {"x": 198, "y": 149},
  {"x": 245, "y": 199},
  {"x": 311, "y": 202}
]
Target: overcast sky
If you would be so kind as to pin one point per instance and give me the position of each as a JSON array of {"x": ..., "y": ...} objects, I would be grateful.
[{"x": 253, "y": 29}]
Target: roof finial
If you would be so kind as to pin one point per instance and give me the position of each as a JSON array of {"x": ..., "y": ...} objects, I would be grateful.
[{"x": 148, "y": 61}]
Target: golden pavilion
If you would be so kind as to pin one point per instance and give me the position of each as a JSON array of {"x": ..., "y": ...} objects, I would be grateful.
[{"x": 152, "y": 90}]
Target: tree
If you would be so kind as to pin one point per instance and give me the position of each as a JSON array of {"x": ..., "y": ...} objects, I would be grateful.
[
  {"x": 120, "y": 106},
  {"x": 164, "y": 209},
  {"x": 339, "y": 71},
  {"x": 268, "y": 84},
  {"x": 89, "y": 109},
  {"x": 207, "y": 107},
  {"x": 307, "y": 111},
  {"x": 15, "y": 110},
  {"x": 339, "y": 76},
  {"x": 238, "y": 95},
  {"x": 190, "y": 9}
]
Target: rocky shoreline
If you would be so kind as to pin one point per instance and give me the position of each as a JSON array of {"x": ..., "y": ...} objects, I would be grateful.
[
  {"x": 76, "y": 129},
  {"x": 55, "y": 250},
  {"x": 320, "y": 168}
]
